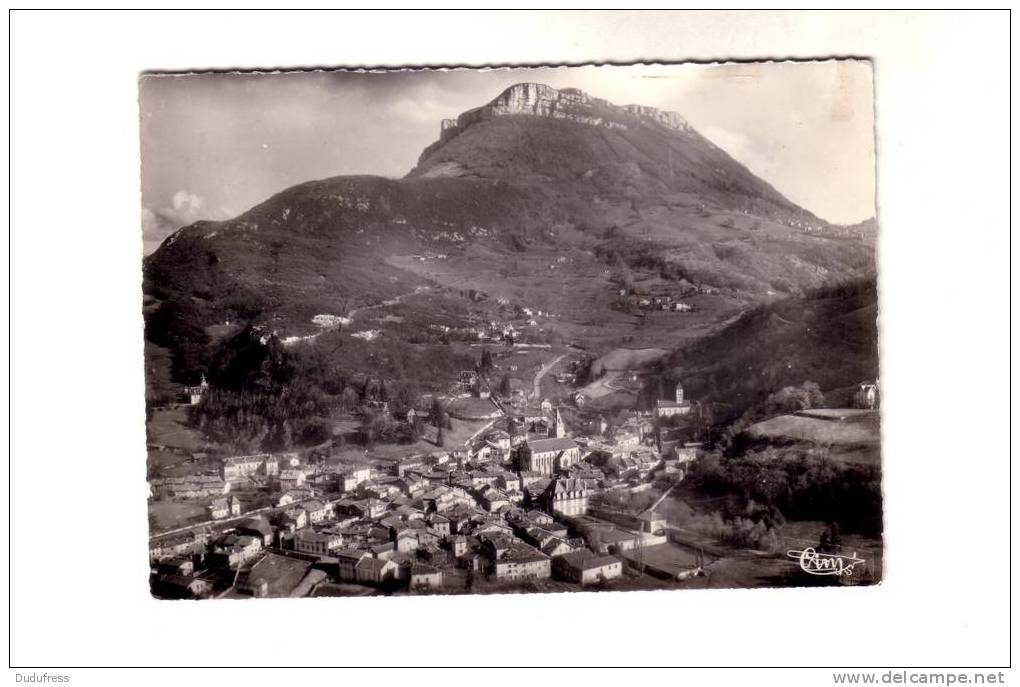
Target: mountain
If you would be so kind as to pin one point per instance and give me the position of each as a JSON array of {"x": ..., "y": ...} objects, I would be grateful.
[
  {"x": 828, "y": 336},
  {"x": 544, "y": 198},
  {"x": 529, "y": 135}
]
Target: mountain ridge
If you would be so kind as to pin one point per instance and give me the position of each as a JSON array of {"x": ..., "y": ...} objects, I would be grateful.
[{"x": 541, "y": 197}]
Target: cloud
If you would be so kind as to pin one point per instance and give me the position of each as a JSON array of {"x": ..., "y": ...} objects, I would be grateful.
[
  {"x": 187, "y": 204},
  {"x": 185, "y": 208}
]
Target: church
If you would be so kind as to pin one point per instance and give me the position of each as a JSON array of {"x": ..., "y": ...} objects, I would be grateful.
[
  {"x": 678, "y": 406},
  {"x": 549, "y": 456}
]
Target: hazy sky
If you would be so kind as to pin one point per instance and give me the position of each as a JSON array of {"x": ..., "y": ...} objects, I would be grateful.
[{"x": 214, "y": 145}]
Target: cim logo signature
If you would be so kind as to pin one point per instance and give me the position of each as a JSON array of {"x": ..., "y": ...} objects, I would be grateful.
[{"x": 816, "y": 563}]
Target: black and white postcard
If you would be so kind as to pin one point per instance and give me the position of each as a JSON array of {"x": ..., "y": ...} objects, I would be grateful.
[{"x": 513, "y": 330}]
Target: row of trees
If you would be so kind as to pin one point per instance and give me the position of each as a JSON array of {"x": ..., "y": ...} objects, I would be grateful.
[{"x": 799, "y": 483}]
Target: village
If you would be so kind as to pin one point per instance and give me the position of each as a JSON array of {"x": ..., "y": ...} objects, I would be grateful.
[{"x": 521, "y": 505}]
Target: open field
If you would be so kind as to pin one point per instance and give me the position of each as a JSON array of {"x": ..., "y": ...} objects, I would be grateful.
[
  {"x": 669, "y": 558},
  {"x": 169, "y": 515},
  {"x": 473, "y": 408},
  {"x": 620, "y": 359},
  {"x": 168, "y": 427},
  {"x": 855, "y": 440},
  {"x": 461, "y": 431},
  {"x": 863, "y": 430}
]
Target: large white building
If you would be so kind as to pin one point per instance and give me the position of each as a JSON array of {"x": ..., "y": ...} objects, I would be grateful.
[
  {"x": 245, "y": 466},
  {"x": 569, "y": 495},
  {"x": 678, "y": 406}
]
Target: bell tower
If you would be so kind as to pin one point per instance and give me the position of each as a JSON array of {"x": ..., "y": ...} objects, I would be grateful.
[{"x": 679, "y": 393}]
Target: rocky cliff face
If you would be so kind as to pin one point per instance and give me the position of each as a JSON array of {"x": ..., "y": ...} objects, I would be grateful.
[{"x": 539, "y": 100}]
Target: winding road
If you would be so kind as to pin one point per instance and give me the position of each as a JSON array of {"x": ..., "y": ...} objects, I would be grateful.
[{"x": 542, "y": 372}]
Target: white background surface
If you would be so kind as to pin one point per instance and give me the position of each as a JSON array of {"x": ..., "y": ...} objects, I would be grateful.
[{"x": 78, "y": 530}]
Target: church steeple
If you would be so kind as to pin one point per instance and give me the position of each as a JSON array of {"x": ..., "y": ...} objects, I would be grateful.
[
  {"x": 679, "y": 393},
  {"x": 558, "y": 430}
]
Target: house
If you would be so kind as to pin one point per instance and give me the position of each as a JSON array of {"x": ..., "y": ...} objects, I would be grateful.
[
  {"x": 223, "y": 508},
  {"x": 347, "y": 561},
  {"x": 409, "y": 485},
  {"x": 189, "y": 487},
  {"x": 687, "y": 452},
  {"x": 555, "y": 546},
  {"x": 294, "y": 496},
  {"x": 439, "y": 523},
  {"x": 458, "y": 545},
  {"x": 584, "y": 567},
  {"x": 406, "y": 541},
  {"x": 256, "y": 527},
  {"x": 277, "y": 576},
  {"x": 866, "y": 396},
  {"x": 402, "y": 467},
  {"x": 499, "y": 439},
  {"x": 530, "y": 518},
  {"x": 317, "y": 511},
  {"x": 307, "y": 541},
  {"x": 219, "y": 509},
  {"x": 353, "y": 477},
  {"x": 507, "y": 481},
  {"x": 495, "y": 545},
  {"x": 175, "y": 586},
  {"x": 194, "y": 394},
  {"x": 176, "y": 545},
  {"x": 293, "y": 519},
  {"x": 233, "y": 550},
  {"x": 375, "y": 570},
  {"x": 372, "y": 508},
  {"x": 548, "y": 456},
  {"x": 291, "y": 479},
  {"x": 383, "y": 550},
  {"x": 183, "y": 565},
  {"x": 493, "y": 500},
  {"x": 522, "y": 562},
  {"x": 425, "y": 577},
  {"x": 678, "y": 406},
  {"x": 569, "y": 495}
]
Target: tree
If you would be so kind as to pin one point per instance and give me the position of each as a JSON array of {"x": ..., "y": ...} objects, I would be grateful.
[
  {"x": 504, "y": 386},
  {"x": 372, "y": 426},
  {"x": 790, "y": 399},
  {"x": 485, "y": 362},
  {"x": 440, "y": 439},
  {"x": 436, "y": 413}
]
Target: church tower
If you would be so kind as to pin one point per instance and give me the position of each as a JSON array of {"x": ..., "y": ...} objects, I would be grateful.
[
  {"x": 679, "y": 393},
  {"x": 558, "y": 430}
]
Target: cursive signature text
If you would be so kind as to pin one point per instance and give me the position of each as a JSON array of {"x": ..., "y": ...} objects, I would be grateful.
[{"x": 816, "y": 563}]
